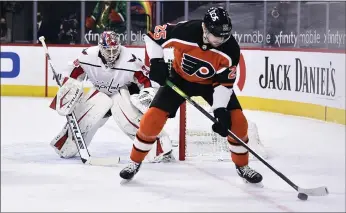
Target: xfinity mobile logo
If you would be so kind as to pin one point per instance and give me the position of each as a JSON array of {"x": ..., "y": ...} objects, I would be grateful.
[{"x": 93, "y": 37}]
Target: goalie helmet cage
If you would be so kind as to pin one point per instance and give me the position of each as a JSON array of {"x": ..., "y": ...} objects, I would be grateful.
[{"x": 198, "y": 141}]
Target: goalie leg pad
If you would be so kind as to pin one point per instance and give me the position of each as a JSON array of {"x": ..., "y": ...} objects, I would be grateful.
[
  {"x": 64, "y": 145},
  {"x": 128, "y": 117},
  {"x": 166, "y": 142},
  {"x": 162, "y": 149},
  {"x": 92, "y": 108},
  {"x": 90, "y": 114},
  {"x": 125, "y": 114}
]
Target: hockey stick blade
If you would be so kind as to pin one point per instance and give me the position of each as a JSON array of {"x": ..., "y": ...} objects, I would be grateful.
[
  {"x": 319, "y": 191},
  {"x": 110, "y": 161}
]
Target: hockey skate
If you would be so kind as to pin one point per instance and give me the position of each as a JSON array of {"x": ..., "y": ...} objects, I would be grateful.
[
  {"x": 249, "y": 175},
  {"x": 129, "y": 171}
]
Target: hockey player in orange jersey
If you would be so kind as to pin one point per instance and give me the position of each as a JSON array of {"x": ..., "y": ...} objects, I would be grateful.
[{"x": 205, "y": 59}]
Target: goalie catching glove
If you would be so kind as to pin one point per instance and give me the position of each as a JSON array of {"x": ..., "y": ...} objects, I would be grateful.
[
  {"x": 68, "y": 95},
  {"x": 143, "y": 100}
]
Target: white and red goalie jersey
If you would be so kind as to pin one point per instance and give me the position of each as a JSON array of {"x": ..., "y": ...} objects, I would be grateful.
[
  {"x": 128, "y": 68},
  {"x": 108, "y": 97}
]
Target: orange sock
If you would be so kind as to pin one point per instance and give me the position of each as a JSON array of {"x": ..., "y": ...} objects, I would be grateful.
[{"x": 239, "y": 154}]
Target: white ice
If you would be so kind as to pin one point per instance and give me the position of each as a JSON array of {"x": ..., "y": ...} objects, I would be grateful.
[{"x": 33, "y": 178}]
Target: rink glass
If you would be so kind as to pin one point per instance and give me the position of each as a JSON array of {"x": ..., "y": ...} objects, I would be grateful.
[{"x": 268, "y": 24}]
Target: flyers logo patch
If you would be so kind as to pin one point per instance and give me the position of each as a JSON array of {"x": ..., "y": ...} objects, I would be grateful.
[{"x": 195, "y": 66}]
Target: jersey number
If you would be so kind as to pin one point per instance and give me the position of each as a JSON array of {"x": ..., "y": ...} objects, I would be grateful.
[
  {"x": 233, "y": 72},
  {"x": 160, "y": 32}
]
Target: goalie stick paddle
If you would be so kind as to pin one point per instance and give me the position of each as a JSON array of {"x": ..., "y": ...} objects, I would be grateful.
[
  {"x": 319, "y": 191},
  {"x": 74, "y": 127}
]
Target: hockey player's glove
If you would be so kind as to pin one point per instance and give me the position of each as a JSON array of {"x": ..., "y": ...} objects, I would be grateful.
[
  {"x": 224, "y": 121},
  {"x": 158, "y": 71}
]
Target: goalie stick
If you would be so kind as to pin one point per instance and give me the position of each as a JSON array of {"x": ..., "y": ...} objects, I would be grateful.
[
  {"x": 74, "y": 127},
  {"x": 319, "y": 191}
]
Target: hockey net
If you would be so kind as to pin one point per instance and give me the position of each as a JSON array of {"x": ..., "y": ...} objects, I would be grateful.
[{"x": 197, "y": 140}]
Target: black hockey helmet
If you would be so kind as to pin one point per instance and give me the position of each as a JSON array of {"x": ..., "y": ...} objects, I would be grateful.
[{"x": 218, "y": 22}]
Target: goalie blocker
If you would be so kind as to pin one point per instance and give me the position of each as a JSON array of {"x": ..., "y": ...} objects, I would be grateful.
[{"x": 94, "y": 108}]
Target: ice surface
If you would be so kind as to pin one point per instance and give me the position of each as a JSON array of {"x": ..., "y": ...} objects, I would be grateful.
[{"x": 33, "y": 178}]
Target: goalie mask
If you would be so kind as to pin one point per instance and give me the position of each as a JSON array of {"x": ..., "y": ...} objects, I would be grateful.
[
  {"x": 109, "y": 46},
  {"x": 217, "y": 26}
]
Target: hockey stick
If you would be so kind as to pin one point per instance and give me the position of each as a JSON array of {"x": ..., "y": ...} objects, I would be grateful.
[
  {"x": 319, "y": 191},
  {"x": 74, "y": 127}
]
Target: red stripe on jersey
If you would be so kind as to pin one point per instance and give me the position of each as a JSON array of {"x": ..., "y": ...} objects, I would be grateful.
[
  {"x": 76, "y": 72},
  {"x": 142, "y": 79}
]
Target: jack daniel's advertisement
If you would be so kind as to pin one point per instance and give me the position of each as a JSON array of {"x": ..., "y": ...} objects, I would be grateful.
[{"x": 299, "y": 76}]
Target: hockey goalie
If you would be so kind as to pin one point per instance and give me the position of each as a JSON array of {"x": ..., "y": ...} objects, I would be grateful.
[{"x": 121, "y": 89}]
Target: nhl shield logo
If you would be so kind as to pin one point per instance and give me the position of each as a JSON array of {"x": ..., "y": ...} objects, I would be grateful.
[
  {"x": 225, "y": 27},
  {"x": 204, "y": 47}
]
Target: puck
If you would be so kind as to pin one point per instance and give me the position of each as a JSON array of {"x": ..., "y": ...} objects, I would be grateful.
[{"x": 302, "y": 196}]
